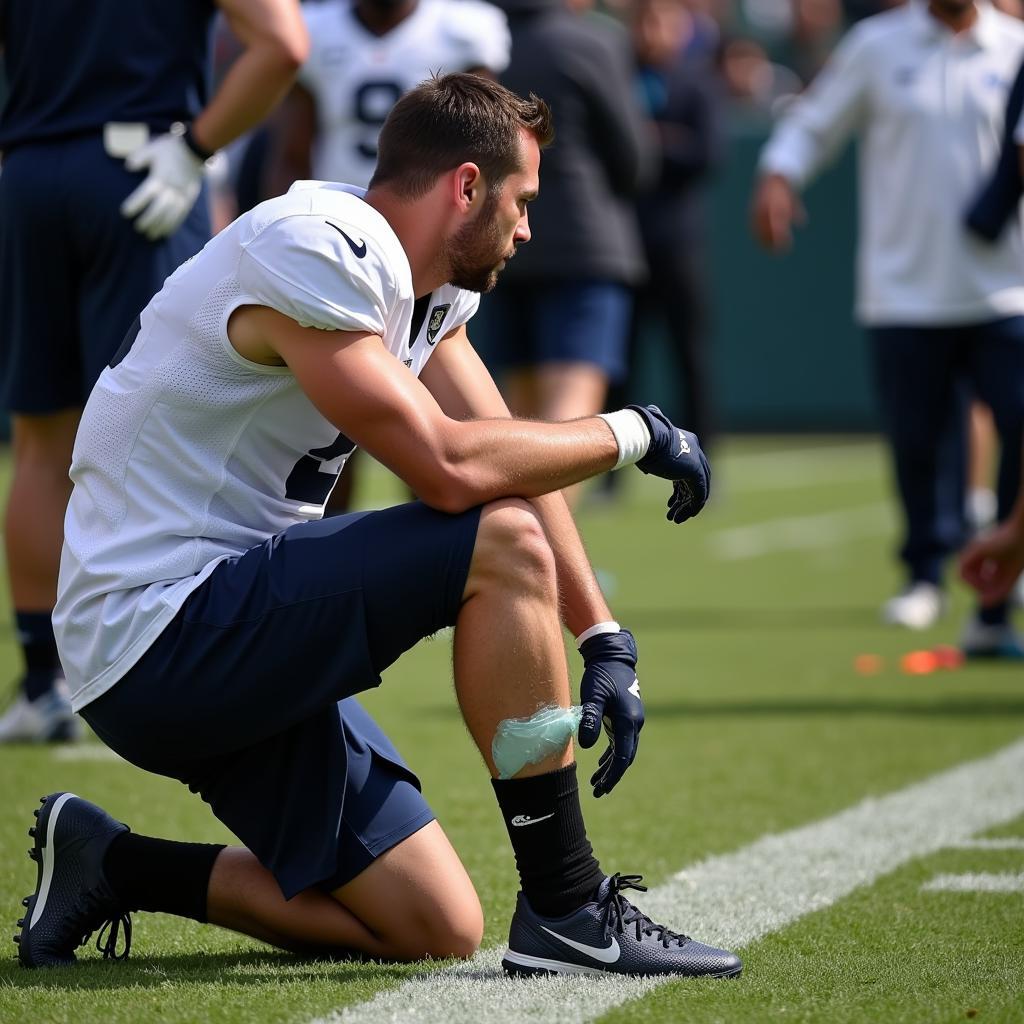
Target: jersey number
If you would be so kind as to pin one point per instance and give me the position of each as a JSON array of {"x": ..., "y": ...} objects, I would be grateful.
[
  {"x": 317, "y": 472},
  {"x": 374, "y": 100}
]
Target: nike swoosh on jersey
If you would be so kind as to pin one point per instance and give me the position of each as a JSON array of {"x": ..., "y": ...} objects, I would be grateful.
[
  {"x": 606, "y": 954},
  {"x": 359, "y": 250}
]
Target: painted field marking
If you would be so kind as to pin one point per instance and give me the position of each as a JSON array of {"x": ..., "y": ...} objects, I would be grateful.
[
  {"x": 730, "y": 900},
  {"x": 1005, "y": 843},
  {"x": 790, "y": 468},
  {"x": 85, "y": 752},
  {"x": 978, "y": 882},
  {"x": 801, "y": 533}
]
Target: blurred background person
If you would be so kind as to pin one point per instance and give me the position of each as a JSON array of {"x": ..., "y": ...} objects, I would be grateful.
[
  {"x": 925, "y": 88},
  {"x": 756, "y": 85},
  {"x": 555, "y": 329},
  {"x": 994, "y": 562},
  {"x": 681, "y": 94},
  {"x": 105, "y": 135},
  {"x": 364, "y": 55}
]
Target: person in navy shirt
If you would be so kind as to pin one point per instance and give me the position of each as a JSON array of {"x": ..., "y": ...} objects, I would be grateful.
[{"x": 105, "y": 137}]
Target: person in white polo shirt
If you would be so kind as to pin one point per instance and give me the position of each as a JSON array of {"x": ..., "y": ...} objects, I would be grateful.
[{"x": 924, "y": 89}]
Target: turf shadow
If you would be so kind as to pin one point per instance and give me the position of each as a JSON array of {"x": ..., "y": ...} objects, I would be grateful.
[
  {"x": 242, "y": 968},
  {"x": 967, "y": 707},
  {"x": 733, "y": 618}
]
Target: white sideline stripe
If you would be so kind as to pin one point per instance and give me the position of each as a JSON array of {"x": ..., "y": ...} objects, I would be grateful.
[
  {"x": 1007, "y": 843},
  {"x": 730, "y": 900},
  {"x": 981, "y": 882},
  {"x": 85, "y": 752},
  {"x": 796, "y": 533},
  {"x": 802, "y": 467}
]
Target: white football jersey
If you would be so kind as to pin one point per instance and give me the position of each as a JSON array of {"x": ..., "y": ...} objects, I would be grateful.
[
  {"x": 188, "y": 453},
  {"x": 356, "y": 77}
]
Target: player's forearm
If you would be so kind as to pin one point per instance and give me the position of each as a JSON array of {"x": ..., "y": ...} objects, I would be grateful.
[
  {"x": 251, "y": 89},
  {"x": 483, "y": 460},
  {"x": 583, "y": 604}
]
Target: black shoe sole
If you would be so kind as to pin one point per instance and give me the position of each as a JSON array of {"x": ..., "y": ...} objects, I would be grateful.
[{"x": 42, "y": 855}]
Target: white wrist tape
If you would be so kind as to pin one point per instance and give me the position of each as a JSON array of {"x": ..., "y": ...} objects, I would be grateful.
[
  {"x": 631, "y": 435},
  {"x": 596, "y": 630}
]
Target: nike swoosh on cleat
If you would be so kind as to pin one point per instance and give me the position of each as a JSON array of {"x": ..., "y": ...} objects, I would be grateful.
[
  {"x": 359, "y": 250},
  {"x": 524, "y": 819},
  {"x": 606, "y": 954}
]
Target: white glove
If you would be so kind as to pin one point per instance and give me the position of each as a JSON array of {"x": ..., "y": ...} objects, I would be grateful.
[{"x": 163, "y": 200}]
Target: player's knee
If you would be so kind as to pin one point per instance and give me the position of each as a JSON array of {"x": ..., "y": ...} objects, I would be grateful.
[
  {"x": 458, "y": 936},
  {"x": 512, "y": 545},
  {"x": 454, "y": 929}
]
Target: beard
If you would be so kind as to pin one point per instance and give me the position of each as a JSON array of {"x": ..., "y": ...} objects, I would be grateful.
[{"x": 475, "y": 251}]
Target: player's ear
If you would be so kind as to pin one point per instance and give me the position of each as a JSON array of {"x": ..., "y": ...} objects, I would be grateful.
[{"x": 468, "y": 186}]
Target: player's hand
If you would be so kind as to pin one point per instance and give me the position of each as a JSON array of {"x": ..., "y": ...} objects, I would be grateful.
[
  {"x": 163, "y": 200},
  {"x": 675, "y": 455},
  {"x": 775, "y": 209},
  {"x": 993, "y": 563},
  {"x": 610, "y": 694}
]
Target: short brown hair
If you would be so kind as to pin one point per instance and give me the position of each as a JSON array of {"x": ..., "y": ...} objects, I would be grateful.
[{"x": 450, "y": 119}]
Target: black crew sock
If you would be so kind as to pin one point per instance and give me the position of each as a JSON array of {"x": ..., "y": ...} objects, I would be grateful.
[
  {"x": 556, "y": 863},
  {"x": 38, "y": 647},
  {"x": 160, "y": 875}
]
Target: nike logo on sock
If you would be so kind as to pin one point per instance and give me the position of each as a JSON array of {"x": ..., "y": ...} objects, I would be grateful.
[
  {"x": 606, "y": 954},
  {"x": 524, "y": 819}
]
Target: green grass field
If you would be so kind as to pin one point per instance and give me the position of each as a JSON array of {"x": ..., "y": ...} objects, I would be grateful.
[{"x": 748, "y": 622}]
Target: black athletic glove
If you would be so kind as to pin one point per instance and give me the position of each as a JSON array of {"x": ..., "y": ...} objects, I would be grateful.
[
  {"x": 610, "y": 692},
  {"x": 675, "y": 455}
]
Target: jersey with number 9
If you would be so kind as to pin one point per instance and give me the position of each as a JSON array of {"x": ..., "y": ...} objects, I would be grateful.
[{"x": 356, "y": 77}]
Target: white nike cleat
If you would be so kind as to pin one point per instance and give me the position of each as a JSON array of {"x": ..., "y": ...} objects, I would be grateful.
[
  {"x": 918, "y": 607},
  {"x": 608, "y": 936},
  {"x": 47, "y": 719},
  {"x": 1001, "y": 641}
]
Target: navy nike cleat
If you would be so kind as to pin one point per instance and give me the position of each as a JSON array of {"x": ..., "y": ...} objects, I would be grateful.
[
  {"x": 608, "y": 936},
  {"x": 72, "y": 897}
]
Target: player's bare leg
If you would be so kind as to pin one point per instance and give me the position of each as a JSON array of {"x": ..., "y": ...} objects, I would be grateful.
[
  {"x": 413, "y": 901},
  {"x": 33, "y": 535},
  {"x": 509, "y": 654},
  {"x": 570, "y": 391},
  {"x": 40, "y": 488}
]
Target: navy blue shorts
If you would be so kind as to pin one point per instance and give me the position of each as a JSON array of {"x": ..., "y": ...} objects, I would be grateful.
[
  {"x": 526, "y": 326},
  {"x": 243, "y": 696},
  {"x": 74, "y": 274}
]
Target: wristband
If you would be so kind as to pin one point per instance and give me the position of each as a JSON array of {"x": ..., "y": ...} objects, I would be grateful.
[
  {"x": 595, "y": 630},
  {"x": 631, "y": 435},
  {"x": 184, "y": 131}
]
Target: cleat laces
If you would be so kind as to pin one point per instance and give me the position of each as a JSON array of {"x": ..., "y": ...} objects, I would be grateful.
[
  {"x": 619, "y": 914},
  {"x": 112, "y": 924},
  {"x": 112, "y": 928}
]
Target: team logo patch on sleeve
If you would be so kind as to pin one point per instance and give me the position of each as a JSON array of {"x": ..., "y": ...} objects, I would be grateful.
[{"x": 437, "y": 315}]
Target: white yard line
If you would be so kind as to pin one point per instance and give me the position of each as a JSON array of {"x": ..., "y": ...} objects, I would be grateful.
[
  {"x": 731, "y": 900},
  {"x": 1005, "y": 843},
  {"x": 981, "y": 882},
  {"x": 790, "y": 468},
  {"x": 801, "y": 533},
  {"x": 85, "y": 752}
]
